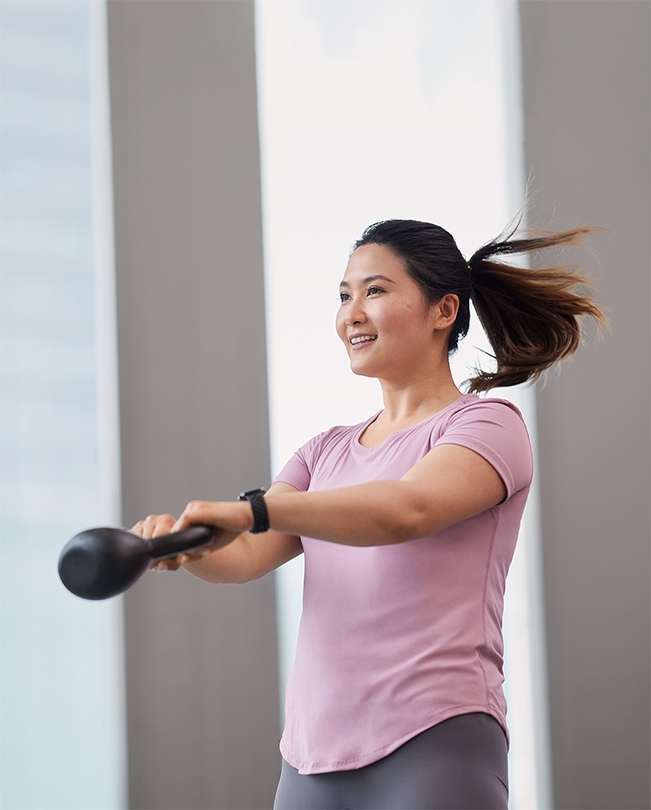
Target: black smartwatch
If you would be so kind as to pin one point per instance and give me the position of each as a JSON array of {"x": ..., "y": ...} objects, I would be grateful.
[{"x": 260, "y": 515}]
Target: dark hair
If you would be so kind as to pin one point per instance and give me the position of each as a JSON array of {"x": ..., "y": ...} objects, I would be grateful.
[{"x": 531, "y": 316}]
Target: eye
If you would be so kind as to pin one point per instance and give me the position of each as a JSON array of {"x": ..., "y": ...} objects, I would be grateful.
[
  {"x": 344, "y": 297},
  {"x": 374, "y": 290}
]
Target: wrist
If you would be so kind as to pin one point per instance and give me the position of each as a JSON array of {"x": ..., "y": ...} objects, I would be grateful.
[{"x": 259, "y": 517}]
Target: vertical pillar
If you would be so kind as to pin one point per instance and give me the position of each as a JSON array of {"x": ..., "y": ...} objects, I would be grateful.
[
  {"x": 201, "y": 663},
  {"x": 586, "y": 80}
]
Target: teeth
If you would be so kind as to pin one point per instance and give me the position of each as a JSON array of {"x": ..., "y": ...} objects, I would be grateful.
[{"x": 363, "y": 339}]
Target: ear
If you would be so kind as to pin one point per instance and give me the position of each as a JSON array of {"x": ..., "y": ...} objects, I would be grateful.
[{"x": 446, "y": 311}]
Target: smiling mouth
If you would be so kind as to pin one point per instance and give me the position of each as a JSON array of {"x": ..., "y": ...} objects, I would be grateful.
[{"x": 362, "y": 339}]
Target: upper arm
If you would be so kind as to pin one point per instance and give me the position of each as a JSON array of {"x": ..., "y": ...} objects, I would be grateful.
[
  {"x": 481, "y": 458},
  {"x": 450, "y": 484}
]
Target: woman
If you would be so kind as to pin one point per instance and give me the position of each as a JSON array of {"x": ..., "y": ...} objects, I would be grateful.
[{"x": 408, "y": 523}]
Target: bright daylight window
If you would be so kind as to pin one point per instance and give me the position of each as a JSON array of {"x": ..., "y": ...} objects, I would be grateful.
[{"x": 371, "y": 110}]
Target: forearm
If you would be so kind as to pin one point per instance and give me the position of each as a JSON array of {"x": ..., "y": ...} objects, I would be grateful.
[
  {"x": 450, "y": 485},
  {"x": 228, "y": 565},
  {"x": 246, "y": 558},
  {"x": 373, "y": 514}
]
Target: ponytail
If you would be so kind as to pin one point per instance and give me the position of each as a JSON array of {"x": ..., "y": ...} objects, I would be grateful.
[{"x": 532, "y": 317}]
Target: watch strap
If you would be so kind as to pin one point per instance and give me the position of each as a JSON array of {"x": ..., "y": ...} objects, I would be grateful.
[{"x": 260, "y": 515}]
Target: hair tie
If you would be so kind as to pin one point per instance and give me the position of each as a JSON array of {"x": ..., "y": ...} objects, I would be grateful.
[{"x": 471, "y": 280}]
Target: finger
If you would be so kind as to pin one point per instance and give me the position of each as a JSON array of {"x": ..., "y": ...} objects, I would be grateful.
[
  {"x": 220, "y": 514},
  {"x": 183, "y": 522},
  {"x": 166, "y": 565},
  {"x": 137, "y": 528},
  {"x": 193, "y": 556},
  {"x": 196, "y": 512},
  {"x": 163, "y": 525},
  {"x": 148, "y": 526}
]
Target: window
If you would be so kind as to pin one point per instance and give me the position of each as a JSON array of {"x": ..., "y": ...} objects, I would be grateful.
[{"x": 371, "y": 110}]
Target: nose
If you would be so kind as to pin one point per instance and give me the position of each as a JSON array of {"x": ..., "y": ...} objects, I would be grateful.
[{"x": 355, "y": 312}]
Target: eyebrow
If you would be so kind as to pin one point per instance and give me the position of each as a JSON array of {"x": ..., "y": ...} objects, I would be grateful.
[{"x": 376, "y": 277}]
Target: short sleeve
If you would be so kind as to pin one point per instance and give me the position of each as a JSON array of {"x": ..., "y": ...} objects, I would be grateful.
[
  {"x": 495, "y": 429},
  {"x": 296, "y": 472},
  {"x": 301, "y": 466}
]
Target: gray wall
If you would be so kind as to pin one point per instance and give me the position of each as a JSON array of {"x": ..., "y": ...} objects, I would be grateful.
[
  {"x": 587, "y": 141},
  {"x": 201, "y": 667}
]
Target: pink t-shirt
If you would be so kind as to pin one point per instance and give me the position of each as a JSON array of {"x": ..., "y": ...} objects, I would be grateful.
[{"x": 394, "y": 639}]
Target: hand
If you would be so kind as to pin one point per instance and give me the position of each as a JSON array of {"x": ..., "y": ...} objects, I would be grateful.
[
  {"x": 232, "y": 517},
  {"x": 159, "y": 525}
]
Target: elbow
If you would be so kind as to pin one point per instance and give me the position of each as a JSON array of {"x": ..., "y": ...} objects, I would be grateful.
[
  {"x": 404, "y": 528},
  {"x": 411, "y": 521},
  {"x": 411, "y": 529}
]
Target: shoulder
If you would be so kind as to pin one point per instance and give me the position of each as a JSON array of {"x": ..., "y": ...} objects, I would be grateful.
[
  {"x": 331, "y": 443},
  {"x": 495, "y": 429},
  {"x": 485, "y": 411},
  {"x": 334, "y": 439}
]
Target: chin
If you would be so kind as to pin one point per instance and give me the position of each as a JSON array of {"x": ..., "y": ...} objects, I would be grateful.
[{"x": 361, "y": 372}]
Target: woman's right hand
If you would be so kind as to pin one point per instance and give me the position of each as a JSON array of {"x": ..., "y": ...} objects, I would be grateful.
[{"x": 158, "y": 525}]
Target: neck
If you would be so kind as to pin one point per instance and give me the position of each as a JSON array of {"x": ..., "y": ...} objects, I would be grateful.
[{"x": 423, "y": 396}]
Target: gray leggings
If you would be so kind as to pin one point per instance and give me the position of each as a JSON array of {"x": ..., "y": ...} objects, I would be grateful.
[{"x": 459, "y": 764}]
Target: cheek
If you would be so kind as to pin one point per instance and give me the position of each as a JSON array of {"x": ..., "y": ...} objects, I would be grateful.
[
  {"x": 405, "y": 325},
  {"x": 340, "y": 326}
]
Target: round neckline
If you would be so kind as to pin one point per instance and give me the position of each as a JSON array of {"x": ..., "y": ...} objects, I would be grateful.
[{"x": 358, "y": 433}]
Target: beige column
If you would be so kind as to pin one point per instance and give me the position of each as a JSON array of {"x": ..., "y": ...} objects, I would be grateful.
[{"x": 201, "y": 669}]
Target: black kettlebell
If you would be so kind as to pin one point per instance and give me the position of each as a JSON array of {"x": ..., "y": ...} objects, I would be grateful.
[{"x": 104, "y": 562}]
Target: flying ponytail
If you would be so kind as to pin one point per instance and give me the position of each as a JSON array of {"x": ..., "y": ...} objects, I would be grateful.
[{"x": 532, "y": 317}]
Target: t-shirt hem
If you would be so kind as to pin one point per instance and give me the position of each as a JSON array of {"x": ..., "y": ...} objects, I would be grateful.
[{"x": 379, "y": 753}]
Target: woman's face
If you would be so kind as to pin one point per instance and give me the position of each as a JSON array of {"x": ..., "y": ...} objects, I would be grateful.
[{"x": 389, "y": 331}]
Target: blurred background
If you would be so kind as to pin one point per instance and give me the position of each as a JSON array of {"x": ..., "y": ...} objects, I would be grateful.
[{"x": 181, "y": 182}]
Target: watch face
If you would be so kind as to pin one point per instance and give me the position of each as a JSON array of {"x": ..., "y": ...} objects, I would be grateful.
[{"x": 252, "y": 493}]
